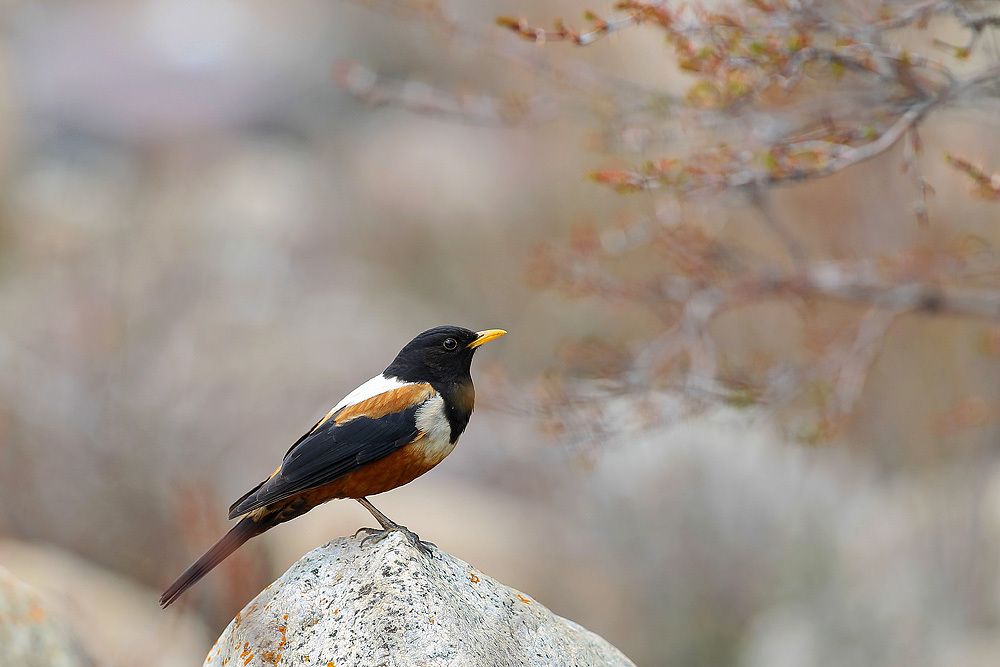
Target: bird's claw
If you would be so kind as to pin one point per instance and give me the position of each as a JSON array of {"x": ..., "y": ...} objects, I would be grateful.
[{"x": 377, "y": 534}]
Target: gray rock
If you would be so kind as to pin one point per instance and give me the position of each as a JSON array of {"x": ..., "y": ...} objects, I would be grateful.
[
  {"x": 30, "y": 636},
  {"x": 109, "y": 612},
  {"x": 388, "y": 604}
]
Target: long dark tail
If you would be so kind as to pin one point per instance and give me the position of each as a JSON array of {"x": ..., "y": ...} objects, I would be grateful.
[{"x": 229, "y": 543}]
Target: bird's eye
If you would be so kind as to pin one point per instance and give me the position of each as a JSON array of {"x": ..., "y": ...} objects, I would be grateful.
[{"x": 450, "y": 343}]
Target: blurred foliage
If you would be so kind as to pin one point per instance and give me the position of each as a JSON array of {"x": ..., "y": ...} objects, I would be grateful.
[{"x": 747, "y": 253}]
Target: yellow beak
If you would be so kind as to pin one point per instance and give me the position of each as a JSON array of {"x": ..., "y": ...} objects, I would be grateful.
[{"x": 485, "y": 337}]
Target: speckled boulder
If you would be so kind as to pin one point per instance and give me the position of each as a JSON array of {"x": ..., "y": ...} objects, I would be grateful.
[
  {"x": 388, "y": 604},
  {"x": 29, "y": 635}
]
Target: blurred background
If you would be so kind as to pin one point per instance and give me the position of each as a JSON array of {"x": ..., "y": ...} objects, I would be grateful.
[{"x": 207, "y": 238}]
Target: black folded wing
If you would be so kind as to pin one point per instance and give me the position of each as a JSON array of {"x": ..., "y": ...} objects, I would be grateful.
[{"x": 330, "y": 451}]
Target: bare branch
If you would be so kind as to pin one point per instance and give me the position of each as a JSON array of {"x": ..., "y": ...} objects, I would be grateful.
[
  {"x": 987, "y": 186},
  {"x": 858, "y": 359},
  {"x": 421, "y": 98},
  {"x": 738, "y": 170},
  {"x": 858, "y": 282},
  {"x": 563, "y": 33},
  {"x": 563, "y": 73}
]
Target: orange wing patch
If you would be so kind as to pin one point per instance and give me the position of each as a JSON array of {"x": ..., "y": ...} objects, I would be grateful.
[
  {"x": 386, "y": 403},
  {"x": 322, "y": 421}
]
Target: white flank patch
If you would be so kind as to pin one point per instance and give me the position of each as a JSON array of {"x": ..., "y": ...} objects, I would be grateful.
[
  {"x": 377, "y": 385},
  {"x": 432, "y": 421}
]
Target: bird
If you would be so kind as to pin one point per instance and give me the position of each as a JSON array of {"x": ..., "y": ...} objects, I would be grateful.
[{"x": 386, "y": 433}]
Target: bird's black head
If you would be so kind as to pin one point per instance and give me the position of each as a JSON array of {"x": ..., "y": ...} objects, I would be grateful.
[{"x": 441, "y": 355}]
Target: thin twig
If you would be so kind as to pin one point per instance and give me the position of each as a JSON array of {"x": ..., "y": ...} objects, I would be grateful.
[
  {"x": 858, "y": 359},
  {"x": 418, "y": 97}
]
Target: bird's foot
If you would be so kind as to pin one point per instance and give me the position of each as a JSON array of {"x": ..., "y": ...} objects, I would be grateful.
[{"x": 377, "y": 534}]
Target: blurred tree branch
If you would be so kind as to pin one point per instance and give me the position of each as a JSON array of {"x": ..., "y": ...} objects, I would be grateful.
[
  {"x": 739, "y": 52},
  {"x": 564, "y": 73},
  {"x": 420, "y": 98},
  {"x": 775, "y": 93}
]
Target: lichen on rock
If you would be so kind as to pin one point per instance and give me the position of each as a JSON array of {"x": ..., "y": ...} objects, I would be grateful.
[
  {"x": 30, "y": 635},
  {"x": 385, "y": 603}
]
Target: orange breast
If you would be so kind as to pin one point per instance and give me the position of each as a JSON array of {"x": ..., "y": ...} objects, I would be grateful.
[{"x": 402, "y": 466}]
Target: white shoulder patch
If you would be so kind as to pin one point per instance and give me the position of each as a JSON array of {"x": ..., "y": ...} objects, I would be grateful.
[
  {"x": 433, "y": 423},
  {"x": 377, "y": 385}
]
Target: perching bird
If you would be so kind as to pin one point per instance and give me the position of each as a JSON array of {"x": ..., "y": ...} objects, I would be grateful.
[{"x": 387, "y": 432}]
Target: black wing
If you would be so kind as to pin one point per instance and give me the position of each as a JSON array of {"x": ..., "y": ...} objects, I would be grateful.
[{"x": 331, "y": 451}]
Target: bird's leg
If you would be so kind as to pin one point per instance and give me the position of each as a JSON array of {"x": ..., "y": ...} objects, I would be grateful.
[{"x": 388, "y": 525}]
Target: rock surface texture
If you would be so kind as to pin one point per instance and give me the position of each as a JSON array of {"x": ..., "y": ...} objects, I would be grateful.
[
  {"x": 387, "y": 604},
  {"x": 108, "y": 612},
  {"x": 30, "y": 636}
]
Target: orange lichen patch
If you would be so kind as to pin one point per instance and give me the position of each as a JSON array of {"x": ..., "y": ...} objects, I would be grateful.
[
  {"x": 524, "y": 599},
  {"x": 335, "y": 612},
  {"x": 474, "y": 579},
  {"x": 432, "y": 620},
  {"x": 246, "y": 649},
  {"x": 35, "y": 613},
  {"x": 387, "y": 402},
  {"x": 271, "y": 657},
  {"x": 247, "y": 661},
  {"x": 285, "y": 617}
]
